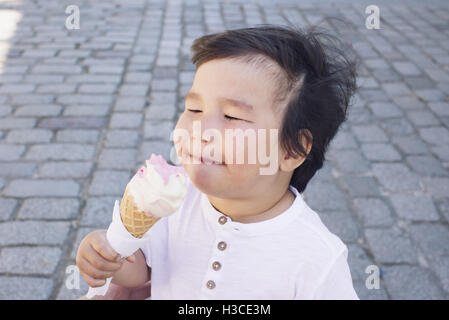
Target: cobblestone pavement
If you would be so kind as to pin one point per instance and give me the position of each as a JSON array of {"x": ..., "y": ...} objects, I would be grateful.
[{"x": 81, "y": 109}]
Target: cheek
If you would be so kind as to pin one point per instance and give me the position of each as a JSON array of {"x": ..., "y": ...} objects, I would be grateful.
[{"x": 181, "y": 132}]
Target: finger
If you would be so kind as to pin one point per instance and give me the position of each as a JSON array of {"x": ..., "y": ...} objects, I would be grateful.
[
  {"x": 99, "y": 262},
  {"x": 105, "y": 250},
  {"x": 131, "y": 259},
  {"x": 91, "y": 281},
  {"x": 93, "y": 272}
]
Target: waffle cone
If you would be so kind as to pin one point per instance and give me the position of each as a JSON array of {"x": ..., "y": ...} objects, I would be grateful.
[{"x": 135, "y": 221}]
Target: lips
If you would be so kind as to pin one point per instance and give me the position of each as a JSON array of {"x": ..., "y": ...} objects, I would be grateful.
[{"x": 205, "y": 160}]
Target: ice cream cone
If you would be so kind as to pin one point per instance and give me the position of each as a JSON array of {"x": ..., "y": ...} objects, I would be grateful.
[{"x": 135, "y": 221}]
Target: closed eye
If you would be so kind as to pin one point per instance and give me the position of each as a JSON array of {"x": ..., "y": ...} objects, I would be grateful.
[
  {"x": 226, "y": 116},
  {"x": 232, "y": 118}
]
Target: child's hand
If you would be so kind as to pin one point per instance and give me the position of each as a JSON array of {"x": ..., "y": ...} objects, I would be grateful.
[{"x": 97, "y": 260}]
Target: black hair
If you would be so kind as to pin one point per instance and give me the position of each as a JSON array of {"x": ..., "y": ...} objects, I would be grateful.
[{"x": 316, "y": 81}]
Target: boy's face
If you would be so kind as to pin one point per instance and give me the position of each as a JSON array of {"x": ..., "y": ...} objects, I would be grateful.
[{"x": 229, "y": 94}]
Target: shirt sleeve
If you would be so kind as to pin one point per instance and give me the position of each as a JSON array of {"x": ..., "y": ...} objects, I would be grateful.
[{"x": 337, "y": 281}]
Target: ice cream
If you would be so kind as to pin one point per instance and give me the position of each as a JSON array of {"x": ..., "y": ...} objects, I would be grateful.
[{"x": 155, "y": 191}]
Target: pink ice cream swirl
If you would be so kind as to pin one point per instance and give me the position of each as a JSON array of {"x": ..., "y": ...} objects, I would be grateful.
[{"x": 159, "y": 188}]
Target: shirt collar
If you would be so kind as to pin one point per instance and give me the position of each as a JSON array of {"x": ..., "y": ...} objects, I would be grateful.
[{"x": 266, "y": 226}]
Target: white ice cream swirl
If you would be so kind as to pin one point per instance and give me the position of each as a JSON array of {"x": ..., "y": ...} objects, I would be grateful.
[{"x": 159, "y": 188}]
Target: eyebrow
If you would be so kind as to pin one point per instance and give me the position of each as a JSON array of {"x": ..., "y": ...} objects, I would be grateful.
[{"x": 236, "y": 103}]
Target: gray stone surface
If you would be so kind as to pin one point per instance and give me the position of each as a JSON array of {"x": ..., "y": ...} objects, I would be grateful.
[{"x": 80, "y": 110}]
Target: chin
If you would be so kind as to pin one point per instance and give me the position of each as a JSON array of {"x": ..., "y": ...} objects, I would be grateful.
[{"x": 206, "y": 181}]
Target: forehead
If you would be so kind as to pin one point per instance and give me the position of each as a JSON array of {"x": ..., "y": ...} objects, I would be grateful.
[{"x": 235, "y": 79}]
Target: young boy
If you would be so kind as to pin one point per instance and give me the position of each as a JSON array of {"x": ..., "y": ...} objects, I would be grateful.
[{"x": 241, "y": 234}]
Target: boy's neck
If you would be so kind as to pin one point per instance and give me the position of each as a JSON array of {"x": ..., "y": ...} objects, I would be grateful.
[{"x": 254, "y": 210}]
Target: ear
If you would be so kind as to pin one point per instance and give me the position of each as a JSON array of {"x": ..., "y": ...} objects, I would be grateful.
[{"x": 288, "y": 161}]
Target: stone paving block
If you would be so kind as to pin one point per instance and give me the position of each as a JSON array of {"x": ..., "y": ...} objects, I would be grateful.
[
  {"x": 73, "y": 123},
  {"x": 380, "y": 241},
  {"x": 385, "y": 110},
  {"x": 161, "y": 97},
  {"x": 43, "y": 187},
  {"x": 396, "y": 177},
  {"x": 78, "y": 135},
  {"x": 395, "y": 89},
  {"x": 373, "y": 212},
  {"x": 423, "y": 118},
  {"x": 85, "y": 99},
  {"x": 108, "y": 182},
  {"x": 164, "y": 84},
  {"x": 427, "y": 165},
  {"x": 117, "y": 159},
  {"x": 371, "y": 133},
  {"x": 17, "y": 123},
  {"x": 436, "y": 187},
  {"x": 360, "y": 186},
  {"x": 133, "y": 90},
  {"x": 442, "y": 152},
  {"x": 410, "y": 144},
  {"x": 62, "y": 151},
  {"x": 414, "y": 207},
  {"x": 98, "y": 211},
  {"x": 334, "y": 198},
  {"x": 9, "y": 152},
  {"x": 160, "y": 112},
  {"x": 380, "y": 152},
  {"x": 430, "y": 95},
  {"x": 440, "y": 265},
  {"x": 25, "y": 288},
  {"x": 130, "y": 103},
  {"x": 351, "y": 161},
  {"x": 406, "y": 68},
  {"x": 158, "y": 130},
  {"x": 121, "y": 138},
  {"x": 163, "y": 148},
  {"x": 125, "y": 120},
  {"x": 397, "y": 126},
  {"x": 29, "y": 136},
  {"x": 138, "y": 77},
  {"x": 412, "y": 283},
  {"x": 49, "y": 209},
  {"x": 419, "y": 82},
  {"x": 56, "y": 88},
  {"x": 5, "y": 110},
  {"x": 408, "y": 103},
  {"x": 29, "y": 260},
  {"x": 432, "y": 238},
  {"x": 8, "y": 206},
  {"x": 38, "y": 110},
  {"x": 97, "y": 88},
  {"x": 16, "y": 169},
  {"x": 33, "y": 232},
  {"x": 440, "y": 108},
  {"x": 83, "y": 111}
]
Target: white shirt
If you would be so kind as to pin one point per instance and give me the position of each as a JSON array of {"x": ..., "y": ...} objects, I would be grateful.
[{"x": 290, "y": 256}]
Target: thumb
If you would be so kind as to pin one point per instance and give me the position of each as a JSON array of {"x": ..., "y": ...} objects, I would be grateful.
[{"x": 131, "y": 259}]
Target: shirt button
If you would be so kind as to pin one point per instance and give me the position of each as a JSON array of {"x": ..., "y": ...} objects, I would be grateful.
[
  {"x": 210, "y": 284},
  {"x": 222, "y": 245},
  {"x": 222, "y": 220},
  {"x": 216, "y": 265}
]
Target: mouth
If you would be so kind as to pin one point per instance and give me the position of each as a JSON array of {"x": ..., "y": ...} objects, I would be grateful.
[{"x": 206, "y": 161}]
